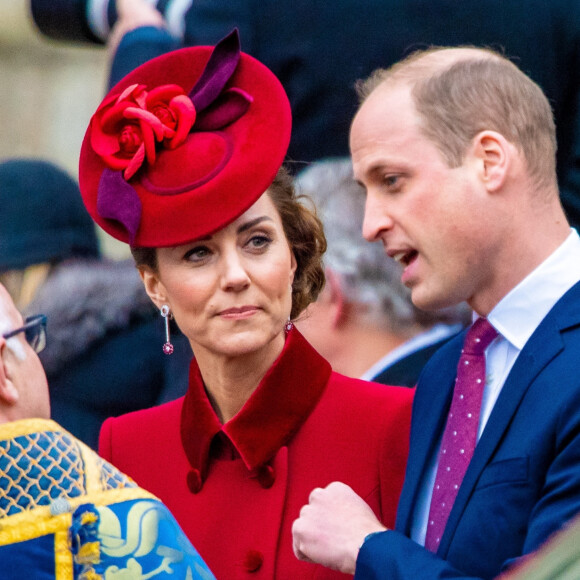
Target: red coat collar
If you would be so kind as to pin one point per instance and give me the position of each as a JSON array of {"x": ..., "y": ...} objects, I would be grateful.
[{"x": 282, "y": 402}]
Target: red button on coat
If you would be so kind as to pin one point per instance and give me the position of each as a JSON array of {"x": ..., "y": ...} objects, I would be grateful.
[
  {"x": 266, "y": 476},
  {"x": 194, "y": 481},
  {"x": 253, "y": 561}
]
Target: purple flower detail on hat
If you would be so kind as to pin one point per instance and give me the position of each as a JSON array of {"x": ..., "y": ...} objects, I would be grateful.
[
  {"x": 208, "y": 91},
  {"x": 127, "y": 128},
  {"x": 118, "y": 200}
]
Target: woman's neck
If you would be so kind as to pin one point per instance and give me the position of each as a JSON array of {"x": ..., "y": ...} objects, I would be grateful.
[{"x": 230, "y": 381}]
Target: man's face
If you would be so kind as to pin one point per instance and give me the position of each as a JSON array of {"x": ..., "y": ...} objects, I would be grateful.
[
  {"x": 422, "y": 210},
  {"x": 22, "y": 367}
]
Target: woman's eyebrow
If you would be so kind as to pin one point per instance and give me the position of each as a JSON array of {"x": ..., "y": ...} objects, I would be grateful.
[{"x": 253, "y": 223}]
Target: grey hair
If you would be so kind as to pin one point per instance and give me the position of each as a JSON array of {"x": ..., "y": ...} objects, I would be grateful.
[{"x": 368, "y": 276}]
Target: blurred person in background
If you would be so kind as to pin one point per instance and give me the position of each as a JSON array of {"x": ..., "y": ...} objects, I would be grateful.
[
  {"x": 64, "y": 512},
  {"x": 101, "y": 359},
  {"x": 364, "y": 322}
]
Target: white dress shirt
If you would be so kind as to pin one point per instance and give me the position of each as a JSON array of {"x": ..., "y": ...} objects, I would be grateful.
[{"x": 515, "y": 317}]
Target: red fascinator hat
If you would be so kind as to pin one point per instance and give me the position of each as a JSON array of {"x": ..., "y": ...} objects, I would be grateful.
[{"x": 183, "y": 145}]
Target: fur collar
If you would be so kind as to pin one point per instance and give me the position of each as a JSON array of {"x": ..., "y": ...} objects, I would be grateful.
[
  {"x": 282, "y": 402},
  {"x": 85, "y": 300}
]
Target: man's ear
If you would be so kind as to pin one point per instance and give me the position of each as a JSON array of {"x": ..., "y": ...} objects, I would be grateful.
[
  {"x": 493, "y": 155},
  {"x": 335, "y": 297},
  {"x": 153, "y": 286},
  {"x": 8, "y": 392}
]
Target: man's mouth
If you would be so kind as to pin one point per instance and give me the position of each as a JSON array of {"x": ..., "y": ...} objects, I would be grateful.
[{"x": 405, "y": 258}]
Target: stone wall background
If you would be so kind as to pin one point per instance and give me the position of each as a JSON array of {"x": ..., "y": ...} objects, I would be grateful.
[{"x": 48, "y": 92}]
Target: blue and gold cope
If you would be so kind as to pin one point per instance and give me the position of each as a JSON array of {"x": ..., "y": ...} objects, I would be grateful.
[{"x": 65, "y": 513}]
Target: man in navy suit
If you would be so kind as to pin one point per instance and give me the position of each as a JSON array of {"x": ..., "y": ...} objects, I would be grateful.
[{"x": 456, "y": 150}]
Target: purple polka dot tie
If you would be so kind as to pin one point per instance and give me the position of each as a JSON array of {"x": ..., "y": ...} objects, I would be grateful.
[{"x": 460, "y": 435}]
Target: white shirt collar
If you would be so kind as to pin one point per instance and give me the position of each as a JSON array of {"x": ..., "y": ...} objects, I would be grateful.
[{"x": 520, "y": 312}]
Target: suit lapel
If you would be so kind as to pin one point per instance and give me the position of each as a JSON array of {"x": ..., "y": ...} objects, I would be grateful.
[
  {"x": 544, "y": 345},
  {"x": 430, "y": 408}
]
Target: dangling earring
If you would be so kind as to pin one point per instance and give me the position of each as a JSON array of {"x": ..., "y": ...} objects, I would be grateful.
[
  {"x": 289, "y": 324},
  {"x": 166, "y": 313}
]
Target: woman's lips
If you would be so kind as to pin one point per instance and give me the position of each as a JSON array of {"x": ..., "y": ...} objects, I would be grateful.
[{"x": 239, "y": 313}]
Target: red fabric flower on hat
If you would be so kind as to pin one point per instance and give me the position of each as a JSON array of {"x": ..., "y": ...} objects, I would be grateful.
[
  {"x": 127, "y": 127},
  {"x": 157, "y": 141}
]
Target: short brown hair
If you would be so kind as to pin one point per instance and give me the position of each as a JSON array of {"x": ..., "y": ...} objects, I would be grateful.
[
  {"x": 457, "y": 99},
  {"x": 305, "y": 236}
]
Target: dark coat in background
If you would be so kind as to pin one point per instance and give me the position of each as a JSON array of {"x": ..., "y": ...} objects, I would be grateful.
[{"x": 319, "y": 49}]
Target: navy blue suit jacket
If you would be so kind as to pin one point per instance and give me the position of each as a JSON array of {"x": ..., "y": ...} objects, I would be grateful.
[{"x": 523, "y": 482}]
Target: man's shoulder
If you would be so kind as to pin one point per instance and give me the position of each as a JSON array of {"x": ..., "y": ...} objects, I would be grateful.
[{"x": 566, "y": 311}]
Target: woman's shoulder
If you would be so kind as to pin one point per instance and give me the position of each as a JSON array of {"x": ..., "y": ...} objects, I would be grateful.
[
  {"x": 349, "y": 400},
  {"x": 158, "y": 415}
]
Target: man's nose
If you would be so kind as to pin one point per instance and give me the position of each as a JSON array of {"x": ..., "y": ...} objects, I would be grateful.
[{"x": 376, "y": 219}]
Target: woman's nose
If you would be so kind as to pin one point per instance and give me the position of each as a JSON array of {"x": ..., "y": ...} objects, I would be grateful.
[{"x": 235, "y": 275}]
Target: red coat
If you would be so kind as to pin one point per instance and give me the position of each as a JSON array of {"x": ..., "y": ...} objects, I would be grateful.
[{"x": 236, "y": 488}]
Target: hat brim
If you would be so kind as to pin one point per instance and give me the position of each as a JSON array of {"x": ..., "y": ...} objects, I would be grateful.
[{"x": 203, "y": 185}]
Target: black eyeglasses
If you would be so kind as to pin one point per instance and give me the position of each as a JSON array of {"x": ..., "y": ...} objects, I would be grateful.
[{"x": 34, "y": 330}]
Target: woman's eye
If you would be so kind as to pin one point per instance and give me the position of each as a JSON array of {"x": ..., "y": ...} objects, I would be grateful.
[
  {"x": 197, "y": 254},
  {"x": 259, "y": 241}
]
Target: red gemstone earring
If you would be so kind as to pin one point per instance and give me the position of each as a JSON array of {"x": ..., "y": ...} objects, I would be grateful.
[{"x": 166, "y": 313}]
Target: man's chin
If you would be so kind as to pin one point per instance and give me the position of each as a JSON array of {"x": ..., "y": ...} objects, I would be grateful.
[{"x": 430, "y": 301}]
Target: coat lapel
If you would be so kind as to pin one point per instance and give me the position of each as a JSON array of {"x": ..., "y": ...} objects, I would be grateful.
[{"x": 544, "y": 345}]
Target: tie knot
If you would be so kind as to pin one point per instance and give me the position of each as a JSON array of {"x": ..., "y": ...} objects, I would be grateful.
[{"x": 479, "y": 336}]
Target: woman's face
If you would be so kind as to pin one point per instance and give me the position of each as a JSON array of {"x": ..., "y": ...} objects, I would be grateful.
[{"x": 230, "y": 293}]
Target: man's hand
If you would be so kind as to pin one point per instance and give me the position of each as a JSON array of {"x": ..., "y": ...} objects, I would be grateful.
[{"x": 332, "y": 527}]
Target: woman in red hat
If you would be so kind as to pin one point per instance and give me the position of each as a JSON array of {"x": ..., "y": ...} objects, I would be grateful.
[{"x": 182, "y": 160}]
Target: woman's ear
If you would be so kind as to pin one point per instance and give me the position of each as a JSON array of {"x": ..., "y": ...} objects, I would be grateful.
[
  {"x": 153, "y": 286},
  {"x": 293, "y": 266},
  {"x": 492, "y": 153}
]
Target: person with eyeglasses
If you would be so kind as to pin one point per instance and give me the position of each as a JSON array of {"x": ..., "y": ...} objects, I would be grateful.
[
  {"x": 65, "y": 513},
  {"x": 34, "y": 329}
]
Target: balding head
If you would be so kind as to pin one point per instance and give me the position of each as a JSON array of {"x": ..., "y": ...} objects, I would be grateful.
[
  {"x": 418, "y": 66},
  {"x": 459, "y": 92}
]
